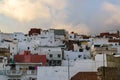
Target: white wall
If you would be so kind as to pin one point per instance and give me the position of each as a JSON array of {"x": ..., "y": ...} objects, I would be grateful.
[
  {"x": 61, "y": 73},
  {"x": 52, "y": 73},
  {"x": 73, "y": 55},
  {"x": 100, "y": 41},
  {"x": 19, "y": 36}
]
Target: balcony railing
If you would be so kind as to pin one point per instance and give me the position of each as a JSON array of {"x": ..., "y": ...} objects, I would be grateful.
[
  {"x": 18, "y": 72},
  {"x": 13, "y": 72}
]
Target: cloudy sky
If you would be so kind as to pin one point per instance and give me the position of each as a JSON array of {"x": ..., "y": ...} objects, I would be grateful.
[{"x": 82, "y": 16}]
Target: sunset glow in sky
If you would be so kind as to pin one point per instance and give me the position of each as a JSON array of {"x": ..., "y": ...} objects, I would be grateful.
[{"x": 82, "y": 16}]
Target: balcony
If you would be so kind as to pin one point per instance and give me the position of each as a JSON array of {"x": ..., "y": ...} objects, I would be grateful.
[
  {"x": 13, "y": 72},
  {"x": 30, "y": 72}
]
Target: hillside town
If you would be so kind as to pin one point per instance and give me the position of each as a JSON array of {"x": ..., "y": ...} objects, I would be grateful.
[{"x": 56, "y": 54}]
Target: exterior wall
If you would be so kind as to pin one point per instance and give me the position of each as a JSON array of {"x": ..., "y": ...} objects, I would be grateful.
[
  {"x": 114, "y": 40},
  {"x": 44, "y": 39},
  {"x": 118, "y": 48},
  {"x": 73, "y": 55},
  {"x": 61, "y": 72},
  {"x": 113, "y": 61},
  {"x": 103, "y": 50},
  {"x": 1, "y": 66},
  {"x": 108, "y": 73},
  {"x": 6, "y": 36},
  {"x": 5, "y": 52},
  {"x": 3, "y": 62},
  {"x": 100, "y": 41},
  {"x": 52, "y": 50},
  {"x": 18, "y": 36},
  {"x": 13, "y": 48},
  {"x": 53, "y": 54},
  {"x": 22, "y": 46},
  {"x": 52, "y": 73},
  {"x": 3, "y": 77}
]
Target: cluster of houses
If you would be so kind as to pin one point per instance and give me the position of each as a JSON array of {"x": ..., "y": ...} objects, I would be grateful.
[{"x": 55, "y": 53}]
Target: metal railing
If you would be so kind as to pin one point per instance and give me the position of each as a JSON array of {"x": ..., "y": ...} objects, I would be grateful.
[{"x": 13, "y": 72}]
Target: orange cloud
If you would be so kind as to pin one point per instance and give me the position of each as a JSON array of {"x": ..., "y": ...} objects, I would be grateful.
[
  {"x": 27, "y": 10},
  {"x": 81, "y": 28}
]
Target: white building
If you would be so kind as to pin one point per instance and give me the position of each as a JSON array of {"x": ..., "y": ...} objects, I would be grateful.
[
  {"x": 18, "y": 36},
  {"x": 63, "y": 73}
]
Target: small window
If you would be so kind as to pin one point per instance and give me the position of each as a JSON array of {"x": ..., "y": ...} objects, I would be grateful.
[
  {"x": 34, "y": 48},
  {"x": 28, "y": 48},
  {"x": 70, "y": 36},
  {"x": 51, "y": 55},
  {"x": 59, "y": 55},
  {"x": 13, "y": 48},
  {"x": 106, "y": 48},
  {"x": 15, "y": 39},
  {"x": 11, "y": 54},
  {"x": 79, "y": 56},
  {"x": 114, "y": 53}
]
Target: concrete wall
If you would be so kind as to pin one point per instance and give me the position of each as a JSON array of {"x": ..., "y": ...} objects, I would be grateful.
[{"x": 113, "y": 61}]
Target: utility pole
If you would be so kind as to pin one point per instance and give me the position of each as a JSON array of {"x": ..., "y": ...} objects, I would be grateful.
[
  {"x": 103, "y": 67},
  {"x": 68, "y": 69}
]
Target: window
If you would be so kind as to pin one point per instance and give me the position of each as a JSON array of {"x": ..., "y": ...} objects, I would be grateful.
[
  {"x": 13, "y": 48},
  {"x": 58, "y": 63},
  {"x": 15, "y": 39},
  {"x": 106, "y": 48},
  {"x": 51, "y": 55},
  {"x": 80, "y": 50},
  {"x": 70, "y": 36},
  {"x": 114, "y": 53},
  {"x": 28, "y": 48},
  {"x": 79, "y": 56},
  {"x": 34, "y": 48},
  {"x": 59, "y": 55}
]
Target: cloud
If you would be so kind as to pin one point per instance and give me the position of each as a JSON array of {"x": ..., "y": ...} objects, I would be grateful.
[
  {"x": 27, "y": 10},
  {"x": 114, "y": 11},
  {"x": 80, "y": 28}
]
